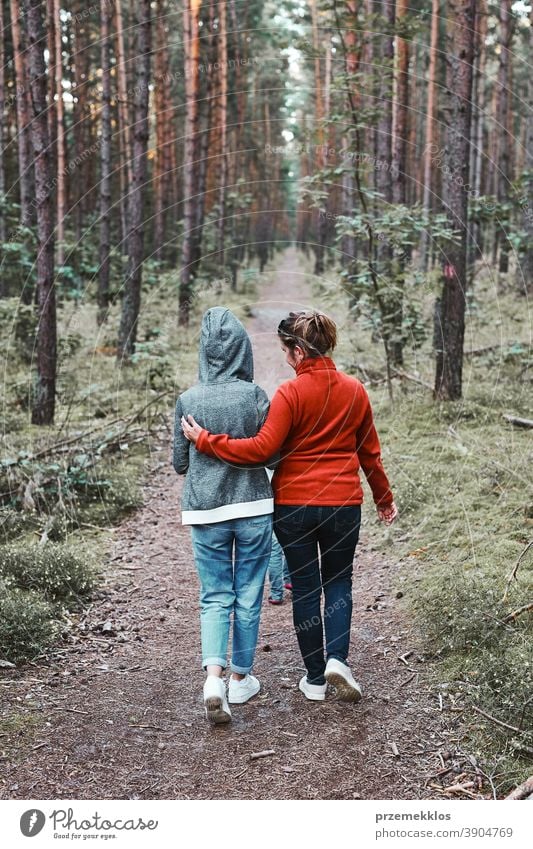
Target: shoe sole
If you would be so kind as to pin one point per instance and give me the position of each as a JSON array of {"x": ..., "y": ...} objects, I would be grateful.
[
  {"x": 313, "y": 697},
  {"x": 215, "y": 712},
  {"x": 345, "y": 691}
]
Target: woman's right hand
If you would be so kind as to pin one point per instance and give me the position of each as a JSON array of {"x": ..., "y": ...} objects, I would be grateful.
[
  {"x": 191, "y": 428},
  {"x": 388, "y": 514}
]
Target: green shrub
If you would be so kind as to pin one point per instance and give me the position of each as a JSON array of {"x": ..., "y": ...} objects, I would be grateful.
[
  {"x": 11, "y": 522},
  {"x": 27, "y": 626},
  {"x": 463, "y": 616},
  {"x": 18, "y": 323},
  {"x": 58, "y": 571}
]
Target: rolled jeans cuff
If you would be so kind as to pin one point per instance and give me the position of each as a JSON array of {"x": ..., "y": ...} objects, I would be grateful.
[
  {"x": 214, "y": 661},
  {"x": 240, "y": 670}
]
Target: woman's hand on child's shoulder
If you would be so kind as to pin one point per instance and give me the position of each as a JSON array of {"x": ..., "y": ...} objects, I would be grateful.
[{"x": 190, "y": 428}]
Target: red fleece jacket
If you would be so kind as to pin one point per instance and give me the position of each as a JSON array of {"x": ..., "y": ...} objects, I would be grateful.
[{"x": 321, "y": 423}]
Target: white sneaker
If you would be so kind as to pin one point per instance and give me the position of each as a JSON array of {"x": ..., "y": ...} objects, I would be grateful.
[
  {"x": 215, "y": 702},
  {"x": 240, "y": 691},
  {"x": 340, "y": 675},
  {"x": 313, "y": 692}
]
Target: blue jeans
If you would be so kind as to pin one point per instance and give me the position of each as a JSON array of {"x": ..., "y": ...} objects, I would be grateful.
[
  {"x": 278, "y": 573},
  {"x": 305, "y": 532},
  {"x": 231, "y": 558}
]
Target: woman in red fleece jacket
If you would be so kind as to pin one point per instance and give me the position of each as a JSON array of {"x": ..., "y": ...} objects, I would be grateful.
[{"x": 321, "y": 423}]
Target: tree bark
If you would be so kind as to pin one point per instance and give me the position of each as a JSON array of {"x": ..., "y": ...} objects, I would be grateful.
[
  {"x": 25, "y": 152},
  {"x": 105, "y": 163},
  {"x": 3, "y": 228},
  {"x": 81, "y": 127},
  {"x": 503, "y": 138},
  {"x": 124, "y": 129},
  {"x": 430, "y": 147},
  {"x": 353, "y": 58},
  {"x": 526, "y": 279},
  {"x": 132, "y": 286},
  {"x": 50, "y": 27},
  {"x": 223, "y": 125},
  {"x": 204, "y": 147},
  {"x": 400, "y": 129},
  {"x": 459, "y": 57},
  {"x": 164, "y": 161},
  {"x": 44, "y": 398},
  {"x": 191, "y": 46},
  {"x": 321, "y": 160},
  {"x": 476, "y": 248},
  {"x": 400, "y": 133},
  {"x": 60, "y": 133}
]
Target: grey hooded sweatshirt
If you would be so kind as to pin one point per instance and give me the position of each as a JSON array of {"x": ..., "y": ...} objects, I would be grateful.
[{"x": 224, "y": 401}]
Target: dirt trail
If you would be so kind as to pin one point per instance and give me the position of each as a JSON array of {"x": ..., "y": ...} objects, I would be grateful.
[{"x": 119, "y": 714}]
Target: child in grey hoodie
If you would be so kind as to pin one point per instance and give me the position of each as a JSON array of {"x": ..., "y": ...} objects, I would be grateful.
[{"x": 229, "y": 509}]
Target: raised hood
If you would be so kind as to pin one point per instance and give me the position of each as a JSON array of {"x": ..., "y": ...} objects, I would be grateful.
[{"x": 225, "y": 348}]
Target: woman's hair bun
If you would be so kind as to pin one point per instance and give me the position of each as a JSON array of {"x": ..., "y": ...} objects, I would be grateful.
[{"x": 313, "y": 331}]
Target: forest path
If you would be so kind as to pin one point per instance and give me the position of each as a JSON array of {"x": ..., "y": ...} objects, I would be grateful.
[{"x": 118, "y": 713}]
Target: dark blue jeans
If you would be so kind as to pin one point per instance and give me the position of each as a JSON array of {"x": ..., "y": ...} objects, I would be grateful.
[{"x": 319, "y": 544}]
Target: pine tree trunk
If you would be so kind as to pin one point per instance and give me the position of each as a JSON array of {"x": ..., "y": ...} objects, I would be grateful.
[
  {"x": 353, "y": 58},
  {"x": 400, "y": 131},
  {"x": 126, "y": 175},
  {"x": 105, "y": 163},
  {"x": 204, "y": 148},
  {"x": 430, "y": 147},
  {"x": 478, "y": 112},
  {"x": 191, "y": 46},
  {"x": 44, "y": 398},
  {"x": 459, "y": 57},
  {"x": 503, "y": 161},
  {"x": 223, "y": 124},
  {"x": 25, "y": 153},
  {"x": 3, "y": 228},
  {"x": 320, "y": 220},
  {"x": 81, "y": 115},
  {"x": 526, "y": 277},
  {"x": 384, "y": 125},
  {"x": 61, "y": 146},
  {"x": 383, "y": 151},
  {"x": 136, "y": 198},
  {"x": 164, "y": 162},
  {"x": 50, "y": 26}
]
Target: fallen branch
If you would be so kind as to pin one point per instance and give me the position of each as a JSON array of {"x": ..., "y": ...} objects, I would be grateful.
[
  {"x": 57, "y": 446},
  {"x": 497, "y": 721},
  {"x": 524, "y": 609},
  {"x": 264, "y": 754},
  {"x": 523, "y": 791},
  {"x": 515, "y": 568},
  {"x": 518, "y": 422},
  {"x": 475, "y": 351},
  {"x": 395, "y": 750},
  {"x": 403, "y": 374},
  {"x": 460, "y": 788}
]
